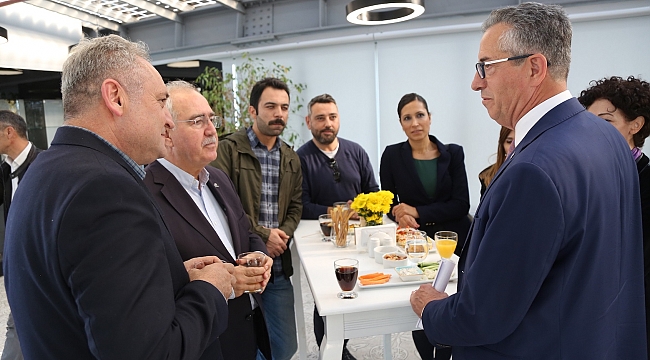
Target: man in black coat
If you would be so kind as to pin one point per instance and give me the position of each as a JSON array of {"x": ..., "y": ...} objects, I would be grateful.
[
  {"x": 91, "y": 268},
  {"x": 207, "y": 216},
  {"x": 20, "y": 153}
]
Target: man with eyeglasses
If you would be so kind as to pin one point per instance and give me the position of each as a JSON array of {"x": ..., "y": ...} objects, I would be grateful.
[
  {"x": 553, "y": 265},
  {"x": 266, "y": 173},
  {"x": 204, "y": 208}
]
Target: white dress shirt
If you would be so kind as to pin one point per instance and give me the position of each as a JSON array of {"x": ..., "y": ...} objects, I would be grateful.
[
  {"x": 205, "y": 201},
  {"x": 209, "y": 206},
  {"x": 15, "y": 164},
  {"x": 531, "y": 118}
]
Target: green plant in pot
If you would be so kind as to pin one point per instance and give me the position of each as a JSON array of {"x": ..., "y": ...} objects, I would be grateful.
[{"x": 228, "y": 93}]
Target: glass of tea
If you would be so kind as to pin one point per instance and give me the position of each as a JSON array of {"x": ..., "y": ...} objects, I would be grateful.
[
  {"x": 325, "y": 222},
  {"x": 346, "y": 274},
  {"x": 252, "y": 259}
]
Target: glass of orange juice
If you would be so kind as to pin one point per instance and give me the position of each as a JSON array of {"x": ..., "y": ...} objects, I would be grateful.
[{"x": 445, "y": 243}]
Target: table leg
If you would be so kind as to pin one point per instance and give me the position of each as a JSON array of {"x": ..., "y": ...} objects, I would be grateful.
[
  {"x": 388, "y": 349},
  {"x": 332, "y": 345},
  {"x": 298, "y": 305}
]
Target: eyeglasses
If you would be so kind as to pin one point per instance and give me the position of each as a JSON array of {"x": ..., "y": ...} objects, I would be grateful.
[
  {"x": 480, "y": 66},
  {"x": 335, "y": 166},
  {"x": 201, "y": 122}
]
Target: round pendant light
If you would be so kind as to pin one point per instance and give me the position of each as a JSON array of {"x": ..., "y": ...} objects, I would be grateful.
[
  {"x": 3, "y": 35},
  {"x": 378, "y": 12}
]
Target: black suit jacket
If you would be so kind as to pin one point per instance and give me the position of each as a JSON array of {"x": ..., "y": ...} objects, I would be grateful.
[
  {"x": 195, "y": 236},
  {"x": 91, "y": 270},
  {"x": 448, "y": 208},
  {"x": 5, "y": 186}
]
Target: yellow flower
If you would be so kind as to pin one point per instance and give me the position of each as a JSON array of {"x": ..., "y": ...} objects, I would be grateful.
[{"x": 373, "y": 206}]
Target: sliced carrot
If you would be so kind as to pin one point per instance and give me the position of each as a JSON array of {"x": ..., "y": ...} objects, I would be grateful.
[
  {"x": 371, "y": 276},
  {"x": 376, "y": 280}
]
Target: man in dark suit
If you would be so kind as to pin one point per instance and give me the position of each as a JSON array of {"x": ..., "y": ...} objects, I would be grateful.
[
  {"x": 208, "y": 217},
  {"x": 91, "y": 269},
  {"x": 20, "y": 153},
  {"x": 553, "y": 265}
]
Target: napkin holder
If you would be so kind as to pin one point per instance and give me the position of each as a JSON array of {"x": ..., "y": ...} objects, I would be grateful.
[{"x": 385, "y": 233}]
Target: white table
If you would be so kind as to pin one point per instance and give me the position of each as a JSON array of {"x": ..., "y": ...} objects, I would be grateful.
[{"x": 377, "y": 311}]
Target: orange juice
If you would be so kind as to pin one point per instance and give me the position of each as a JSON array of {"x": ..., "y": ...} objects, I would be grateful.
[{"x": 445, "y": 248}]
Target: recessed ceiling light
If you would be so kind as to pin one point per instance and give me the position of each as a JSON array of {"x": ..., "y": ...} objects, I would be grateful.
[
  {"x": 184, "y": 64},
  {"x": 10, "y": 72},
  {"x": 378, "y": 12}
]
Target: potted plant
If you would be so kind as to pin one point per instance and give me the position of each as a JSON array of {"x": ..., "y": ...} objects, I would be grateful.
[{"x": 228, "y": 93}]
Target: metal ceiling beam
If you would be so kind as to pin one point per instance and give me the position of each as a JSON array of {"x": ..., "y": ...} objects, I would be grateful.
[
  {"x": 178, "y": 4},
  {"x": 98, "y": 8},
  {"x": 167, "y": 14},
  {"x": 233, "y": 4},
  {"x": 77, "y": 14}
]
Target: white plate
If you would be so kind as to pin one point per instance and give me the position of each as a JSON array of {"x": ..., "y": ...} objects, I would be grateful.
[
  {"x": 396, "y": 281},
  {"x": 454, "y": 275}
]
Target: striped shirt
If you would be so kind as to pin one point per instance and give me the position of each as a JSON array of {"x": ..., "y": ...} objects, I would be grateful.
[{"x": 270, "y": 165}]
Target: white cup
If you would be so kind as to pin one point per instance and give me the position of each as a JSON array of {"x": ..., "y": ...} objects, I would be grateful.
[{"x": 373, "y": 242}]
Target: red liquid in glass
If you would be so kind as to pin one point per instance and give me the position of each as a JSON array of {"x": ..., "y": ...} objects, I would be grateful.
[
  {"x": 347, "y": 277},
  {"x": 326, "y": 228}
]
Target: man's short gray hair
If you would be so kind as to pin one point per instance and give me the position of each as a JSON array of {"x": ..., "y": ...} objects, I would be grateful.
[
  {"x": 8, "y": 118},
  {"x": 94, "y": 60},
  {"x": 177, "y": 85},
  {"x": 536, "y": 28}
]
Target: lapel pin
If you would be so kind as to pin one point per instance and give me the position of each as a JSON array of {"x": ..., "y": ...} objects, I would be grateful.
[{"x": 215, "y": 185}]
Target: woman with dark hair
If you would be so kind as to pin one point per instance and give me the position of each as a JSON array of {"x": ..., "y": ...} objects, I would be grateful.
[
  {"x": 429, "y": 182},
  {"x": 625, "y": 103},
  {"x": 506, "y": 137}
]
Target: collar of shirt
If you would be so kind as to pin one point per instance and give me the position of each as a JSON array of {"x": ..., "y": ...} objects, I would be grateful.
[
  {"x": 139, "y": 169},
  {"x": 255, "y": 142},
  {"x": 187, "y": 181},
  {"x": 331, "y": 154},
  {"x": 531, "y": 118},
  {"x": 20, "y": 159}
]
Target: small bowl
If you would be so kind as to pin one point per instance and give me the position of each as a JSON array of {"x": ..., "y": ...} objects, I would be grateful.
[
  {"x": 391, "y": 263},
  {"x": 381, "y": 250},
  {"x": 409, "y": 273}
]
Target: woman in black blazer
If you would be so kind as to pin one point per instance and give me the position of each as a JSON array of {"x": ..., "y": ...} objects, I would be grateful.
[
  {"x": 429, "y": 181},
  {"x": 427, "y": 177}
]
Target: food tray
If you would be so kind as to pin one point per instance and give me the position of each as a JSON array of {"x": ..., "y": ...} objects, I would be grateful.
[{"x": 394, "y": 280}]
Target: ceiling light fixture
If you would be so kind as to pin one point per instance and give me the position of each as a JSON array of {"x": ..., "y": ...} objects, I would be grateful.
[
  {"x": 3, "y": 35},
  {"x": 378, "y": 12},
  {"x": 185, "y": 64},
  {"x": 4, "y": 71}
]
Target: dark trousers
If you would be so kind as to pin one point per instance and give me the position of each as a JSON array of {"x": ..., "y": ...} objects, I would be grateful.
[
  {"x": 319, "y": 328},
  {"x": 426, "y": 349}
]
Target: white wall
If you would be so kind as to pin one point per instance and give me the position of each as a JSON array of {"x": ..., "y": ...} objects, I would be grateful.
[
  {"x": 439, "y": 65},
  {"x": 38, "y": 38}
]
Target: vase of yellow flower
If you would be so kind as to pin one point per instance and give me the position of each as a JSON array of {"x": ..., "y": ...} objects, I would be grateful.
[{"x": 373, "y": 206}]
